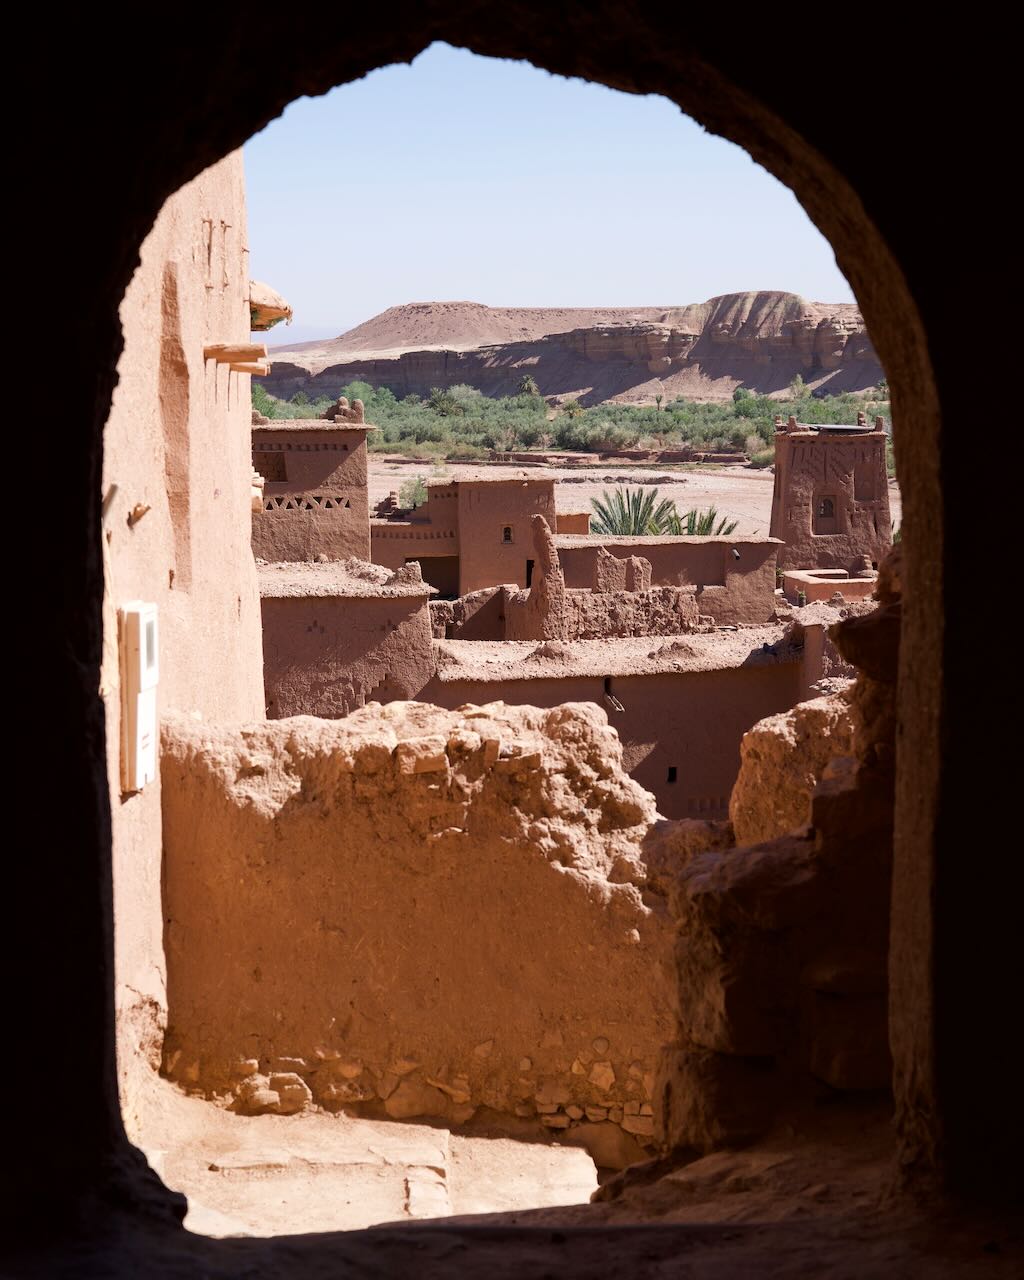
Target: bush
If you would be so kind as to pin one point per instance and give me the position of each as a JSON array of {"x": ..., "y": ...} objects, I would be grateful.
[
  {"x": 460, "y": 420},
  {"x": 262, "y": 402},
  {"x": 444, "y": 403},
  {"x": 413, "y": 493},
  {"x": 572, "y": 433}
]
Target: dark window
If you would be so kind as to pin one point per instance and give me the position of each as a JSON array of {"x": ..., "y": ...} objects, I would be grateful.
[
  {"x": 825, "y": 520},
  {"x": 529, "y": 572},
  {"x": 506, "y": 533},
  {"x": 671, "y": 773}
]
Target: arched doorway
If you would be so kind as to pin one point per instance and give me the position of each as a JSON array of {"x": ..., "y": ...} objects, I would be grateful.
[{"x": 887, "y": 255}]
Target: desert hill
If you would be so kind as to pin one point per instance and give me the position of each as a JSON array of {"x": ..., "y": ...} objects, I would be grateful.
[{"x": 630, "y": 354}]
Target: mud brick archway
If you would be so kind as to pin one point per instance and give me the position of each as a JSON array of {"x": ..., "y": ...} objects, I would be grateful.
[{"x": 861, "y": 149}]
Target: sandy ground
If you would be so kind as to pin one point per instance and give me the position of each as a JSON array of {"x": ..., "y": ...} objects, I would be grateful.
[
  {"x": 273, "y": 1175},
  {"x": 263, "y": 1176},
  {"x": 745, "y": 495}
]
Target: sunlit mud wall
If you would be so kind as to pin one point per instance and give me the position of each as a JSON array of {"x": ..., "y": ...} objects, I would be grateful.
[
  {"x": 177, "y": 535},
  {"x": 415, "y": 912}
]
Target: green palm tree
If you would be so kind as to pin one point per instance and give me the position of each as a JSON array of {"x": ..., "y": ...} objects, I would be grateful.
[
  {"x": 700, "y": 524},
  {"x": 443, "y": 403},
  {"x": 528, "y": 385},
  {"x": 631, "y": 512}
]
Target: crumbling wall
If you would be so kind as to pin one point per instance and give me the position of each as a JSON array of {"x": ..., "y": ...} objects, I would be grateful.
[
  {"x": 782, "y": 946},
  {"x": 620, "y": 573},
  {"x": 414, "y": 912},
  {"x": 782, "y": 759},
  {"x": 620, "y": 601},
  {"x": 733, "y": 578},
  {"x": 680, "y": 730},
  {"x": 478, "y": 616}
]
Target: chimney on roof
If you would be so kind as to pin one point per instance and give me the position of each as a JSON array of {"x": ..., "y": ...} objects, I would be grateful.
[
  {"x": 862, "y": 418},
  {"x": 791, "y": 425},
  {"x": 778, "y": 422},
  {"x": 879, "y": 423}
]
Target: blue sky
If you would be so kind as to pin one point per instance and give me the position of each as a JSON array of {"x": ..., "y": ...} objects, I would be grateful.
[{"x": 460, "y": 177}]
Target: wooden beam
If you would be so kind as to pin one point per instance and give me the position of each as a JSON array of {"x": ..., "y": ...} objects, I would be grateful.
[
  {"x": 257, "y": 370},
  {"x": 235, "y": 352}
]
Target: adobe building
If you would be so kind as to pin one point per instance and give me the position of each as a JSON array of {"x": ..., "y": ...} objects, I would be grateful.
[
  {"x": 733, "y": 579},
  {"x": 338, "y": 635},
  {"x": 588, "y": 587},
  {"x": 314, "y": 497},
  {"x": 177, "y": 501},
  {"x": 679, "y": 705},
  {"x": 471, "y": 534},
  {"x": 830, "y": 505},
  {"x": 680, "y": 693}
]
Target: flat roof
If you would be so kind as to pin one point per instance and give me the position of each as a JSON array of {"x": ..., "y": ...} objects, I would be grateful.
[
  {"x": 485, "y": 661},
  {"x": 338, "y": 579},
  {"x": 311, "y": 424},
  {"x": 834, "y": 428},
  {"x": 657, "y": 540},
  {"x": 458, "y": 481}
]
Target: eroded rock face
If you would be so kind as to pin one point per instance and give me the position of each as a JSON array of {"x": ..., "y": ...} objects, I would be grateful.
[
  {"x": 415, "y": 912},
  {"x": 781, "y": 760},
  {"x": 760, "y": 339}
]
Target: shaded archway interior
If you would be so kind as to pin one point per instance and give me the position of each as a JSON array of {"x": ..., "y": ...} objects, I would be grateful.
[{"x": 950, "y": 1100}]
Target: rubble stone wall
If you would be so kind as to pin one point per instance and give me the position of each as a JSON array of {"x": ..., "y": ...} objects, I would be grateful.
[
  {"x": 734, "y": 579},
  {"x": 415, "y": 912},
  {"x": 782, "y": 944}
]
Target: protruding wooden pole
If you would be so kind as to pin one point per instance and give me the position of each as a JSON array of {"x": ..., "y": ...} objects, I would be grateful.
[{"x": 235, "y": 352}]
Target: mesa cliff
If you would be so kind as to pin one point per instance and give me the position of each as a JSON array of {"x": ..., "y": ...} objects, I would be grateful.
[{"x": 625, "y": 354}]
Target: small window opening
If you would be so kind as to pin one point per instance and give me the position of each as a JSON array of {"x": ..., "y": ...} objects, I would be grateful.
[
  {"x": 609, "y": 697},
  {"x": 271, "y": 466},
  {"x": 825, "y": 520},
  {"x": 671, "y": 773},
  {"x": 529, "y": 572},
  {"x": 506, "y": 533}
]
